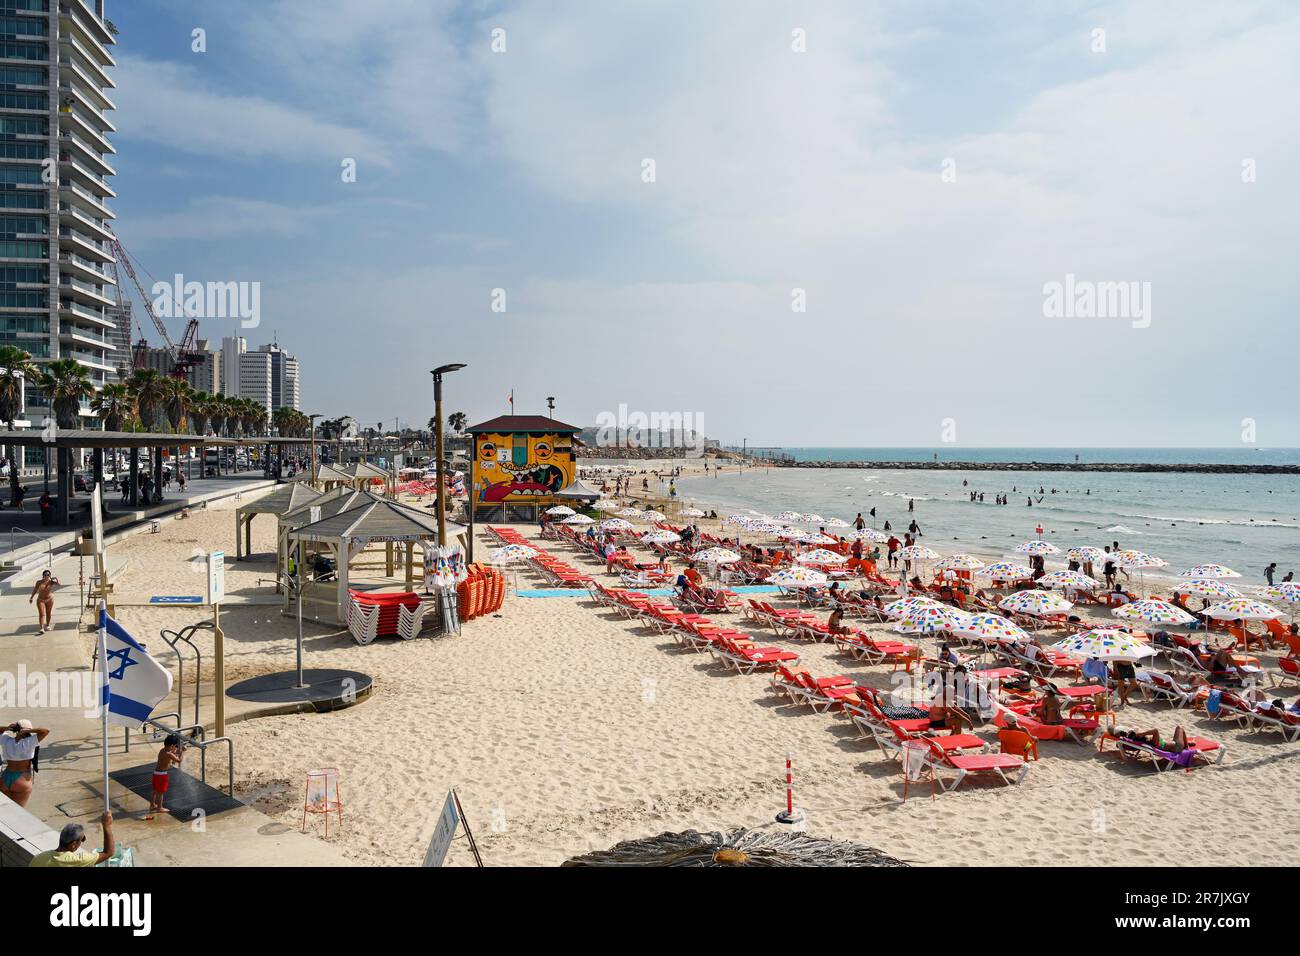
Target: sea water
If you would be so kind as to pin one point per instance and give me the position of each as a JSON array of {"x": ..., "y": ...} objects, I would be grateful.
[{"x": 1243, "y": 521}]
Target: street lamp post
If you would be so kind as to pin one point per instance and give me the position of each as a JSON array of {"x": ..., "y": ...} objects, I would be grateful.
[
  {"x": 437, "y": 441},
  {"x": 311, "y": 428}
]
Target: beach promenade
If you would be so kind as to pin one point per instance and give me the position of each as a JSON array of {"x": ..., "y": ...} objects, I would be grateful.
[{"x": 69, "y": 786}]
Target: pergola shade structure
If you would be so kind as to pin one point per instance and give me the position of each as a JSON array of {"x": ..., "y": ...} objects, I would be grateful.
[
  {"x": 284, "y": 499},
  {"x": 328, "y": 476},
  {"x": 578, "y": 491},
  {"x": 362, "y": 473},
  {"x": 362, "y": 519}
]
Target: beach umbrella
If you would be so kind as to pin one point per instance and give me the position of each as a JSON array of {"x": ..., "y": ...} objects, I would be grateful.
[
  {"x": 1286, "y": 591},
  {"x": 716, "y": 556},
  {"x": 1105, "y": 643},
  {"x": 1069, "y": 579},
  {"x": 660, "y": 537},
  {"x": 1005, "y": 571},
  {"x": 869, "y": 534},
  {"x": 798, "y": 577},
  {"x": 918, "y": 552},
  {"x": 512, "y": 552},
  {"x": 1035, "y": 603},
  {"x": 835, "y": 523},
  {"x": 651, "y": 515},
  {"x": 1037, "y": 547},
  {"x": 821, "y": 556},
  {"x": 816, "y": 538},
  {"x": 1085, "y": 553},
  {"x": 813, "y": 519},
  {"x": 1242, "y": 609},
  {"x": 927, "y": 620},
  {"x": 903, "y": 607},
  {"x": 789, "y": 516},
  {"x": 630, "y": 513},
  {"x": 790, "y": 534},
  {"x": 561, "y": 510},
  {"x": 1153, "y": 611},
  {"x": 615, "y": 524},
  {"x": 693, "y": 513},
  {"x": 991, "y": 627},
  {"x": 737, "y": 519},
  {"x": 1208, "y": 589},
  {"x": 1137, "y": 560},
  {"x": 577, "y": 519},
  {"x": 605, "y": 504},
  {"x": 960, "y": 562},
  {"x": 1210, "y": 571}
]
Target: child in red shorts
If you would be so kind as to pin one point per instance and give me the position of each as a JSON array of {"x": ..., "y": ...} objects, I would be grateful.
[{"x": 170, "y": 755}]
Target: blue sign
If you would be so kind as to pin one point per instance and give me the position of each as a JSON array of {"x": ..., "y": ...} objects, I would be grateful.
[{"x": 176, "y": 599}]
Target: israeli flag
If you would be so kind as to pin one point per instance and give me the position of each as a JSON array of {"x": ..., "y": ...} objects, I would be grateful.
[{"x": 134, "y": 682}]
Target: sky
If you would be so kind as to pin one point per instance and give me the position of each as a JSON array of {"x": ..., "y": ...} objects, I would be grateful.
[{"x": 821, "y": 223}]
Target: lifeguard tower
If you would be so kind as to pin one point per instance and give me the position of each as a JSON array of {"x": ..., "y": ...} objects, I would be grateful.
[{"x": 521, "y": 465}]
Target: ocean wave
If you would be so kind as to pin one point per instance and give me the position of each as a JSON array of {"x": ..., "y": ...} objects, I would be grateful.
[{"x": 1241, "y": 523}]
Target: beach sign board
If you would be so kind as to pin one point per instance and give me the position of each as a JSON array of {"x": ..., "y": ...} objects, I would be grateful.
[
  {"x": 443, "y": 832},
  {"x": 216, "y": 577},
  {"x": 176, "y": 599}
]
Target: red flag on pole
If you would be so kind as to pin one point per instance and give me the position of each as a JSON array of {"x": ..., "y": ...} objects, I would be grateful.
[{"x": 512, "y": 399}]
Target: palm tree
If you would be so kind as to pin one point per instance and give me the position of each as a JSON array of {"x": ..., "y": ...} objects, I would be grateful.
[
  {"x": 198, "y": 416},
  {"x": 114, "y": 405},
  {"x": 151, "y": 395},
  {"x": 67, "y": 383},
  {"x": 176, "y": 400},
  {"x": 457, "y": 421},
  {"x": 15, "y": 366}
]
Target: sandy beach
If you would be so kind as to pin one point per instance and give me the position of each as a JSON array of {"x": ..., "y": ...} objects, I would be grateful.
[{"x": 565, "y": 728}]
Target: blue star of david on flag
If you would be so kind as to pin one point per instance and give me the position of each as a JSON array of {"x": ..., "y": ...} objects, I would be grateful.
[{"x": 133, "y": 682}]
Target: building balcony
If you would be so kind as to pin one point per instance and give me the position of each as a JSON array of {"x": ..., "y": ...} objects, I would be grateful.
[
  {"x": 72, "y": 73},
  {"x": 79, "y": 97},
  {"x": 71, "y": 46},
  {"x": 73, "y": 240},
  {"x": 85, "y": 199},
  {"x": 70, "y": 215},
  {"x": 78, "y": 20},
  {"x": 82, "y": 126},
  {"x": 84, "y": 292},
  {"x": 72, "y": 169},
  {"x": 74, "y": 311},
  {"x": 87, "y": 152},
  {"x": 81, "y": 268}
]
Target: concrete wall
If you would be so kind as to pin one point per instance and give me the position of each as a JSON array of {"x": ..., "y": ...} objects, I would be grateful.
[{"x": 22, "y": 835}]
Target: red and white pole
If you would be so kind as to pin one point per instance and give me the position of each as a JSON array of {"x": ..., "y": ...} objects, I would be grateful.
[{"x": 789, "y": 815}]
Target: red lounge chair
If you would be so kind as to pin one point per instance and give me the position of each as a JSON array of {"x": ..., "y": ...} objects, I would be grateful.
[
  {"x": 999, "y": 765},
  {"x": 1200, "y": 750}
]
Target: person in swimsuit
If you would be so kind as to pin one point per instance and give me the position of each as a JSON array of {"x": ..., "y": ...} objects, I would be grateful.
[
  {"x": 18, "y": 747},
  {"x": 1049, "y": 708},
  {"x": 1153, "y": 738},
  {"x": 43, "y": 595},
  {"x": 170, "y": 755}
]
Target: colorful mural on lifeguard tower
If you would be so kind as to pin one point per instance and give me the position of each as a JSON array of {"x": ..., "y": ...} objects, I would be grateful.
[{"x": 522, "y": 459}]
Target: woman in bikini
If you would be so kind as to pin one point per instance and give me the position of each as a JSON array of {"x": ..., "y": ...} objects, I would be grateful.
[
  {"x": 18, "y": 747},
  {"x": 43, "y": 595}
]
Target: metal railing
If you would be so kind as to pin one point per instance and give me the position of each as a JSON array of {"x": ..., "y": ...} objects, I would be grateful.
[
  {"x": 49, "y": 548},
  {"x": 198, "y": 738}
]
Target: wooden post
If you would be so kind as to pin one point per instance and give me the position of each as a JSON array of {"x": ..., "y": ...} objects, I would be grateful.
[{"x": 219, "y": 640}]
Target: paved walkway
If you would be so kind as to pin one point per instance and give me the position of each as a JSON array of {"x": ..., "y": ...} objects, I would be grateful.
[{"x": 69, "y": 786}]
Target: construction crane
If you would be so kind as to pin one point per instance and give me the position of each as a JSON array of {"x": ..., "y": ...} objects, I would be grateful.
[{"x": 184, "y": 356}]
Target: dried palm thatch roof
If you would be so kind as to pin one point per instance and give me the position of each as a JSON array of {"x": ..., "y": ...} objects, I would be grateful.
[{"x": 736, "y": 848}]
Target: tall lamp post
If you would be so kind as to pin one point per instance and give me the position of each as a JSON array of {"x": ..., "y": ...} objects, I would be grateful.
[
  {"x": 437, "y": 374},
  {"x": 311, "y": 429}
]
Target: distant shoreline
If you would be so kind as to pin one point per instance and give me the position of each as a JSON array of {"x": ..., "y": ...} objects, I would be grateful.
[{"x": 1099, "y": 466}]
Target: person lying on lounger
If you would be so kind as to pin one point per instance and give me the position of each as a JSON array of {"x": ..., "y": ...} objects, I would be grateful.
[{"x": 1152, "y": 738}]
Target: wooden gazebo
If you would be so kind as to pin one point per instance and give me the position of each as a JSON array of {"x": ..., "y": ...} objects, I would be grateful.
[{"x": 285, "y": 498}]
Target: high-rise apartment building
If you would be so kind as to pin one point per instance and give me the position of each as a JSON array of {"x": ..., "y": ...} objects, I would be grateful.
[
  {"x": 55, "y": 289},
  {"x": 269, "y": 375}
]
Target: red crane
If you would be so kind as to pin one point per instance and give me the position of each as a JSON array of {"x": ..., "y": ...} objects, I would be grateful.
[{"x": 186, "y": 355}]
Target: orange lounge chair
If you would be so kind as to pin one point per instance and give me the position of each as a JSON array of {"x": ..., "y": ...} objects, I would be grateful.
[{"x": 999, "y": 765}]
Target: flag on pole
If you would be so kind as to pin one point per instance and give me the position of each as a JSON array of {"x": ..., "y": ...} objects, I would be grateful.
[
  {"x": 133, "y": 682},
  {"x": 512, "y": 399}
]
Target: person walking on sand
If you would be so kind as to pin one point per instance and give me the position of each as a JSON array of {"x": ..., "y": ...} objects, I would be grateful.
[
  {"x": 18, "y": 746},
  {"x": 859, "y": 523},
  {"x": 1269, "y": 572},
  {"x": 43, "y": 595},
  {"x": 169, "y": 756}
]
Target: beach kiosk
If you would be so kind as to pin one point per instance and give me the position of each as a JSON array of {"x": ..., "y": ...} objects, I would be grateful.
[{"x": 521, "y": 464}]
